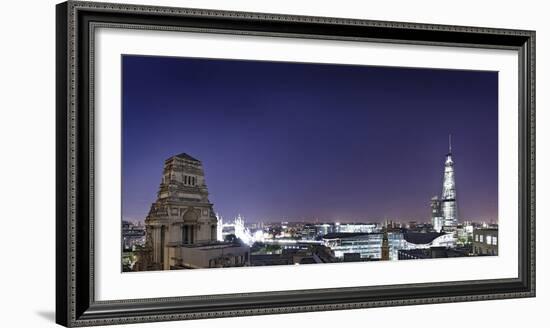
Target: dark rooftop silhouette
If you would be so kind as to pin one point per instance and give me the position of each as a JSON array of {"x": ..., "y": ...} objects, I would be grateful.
[{"x": 187, "y": 157}]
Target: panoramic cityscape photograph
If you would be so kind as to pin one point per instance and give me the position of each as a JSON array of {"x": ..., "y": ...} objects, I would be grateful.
[{"x": 243, "y": 163}]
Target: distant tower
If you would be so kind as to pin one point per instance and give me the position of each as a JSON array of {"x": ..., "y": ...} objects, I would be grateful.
[
  {"x": 448, "y": 196},
  {"x": 385, "y": 246},
  {"x": 437, "y": 215}
]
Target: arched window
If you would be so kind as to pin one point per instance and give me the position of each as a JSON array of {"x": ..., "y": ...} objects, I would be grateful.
[{"x": 185, "y": 234}]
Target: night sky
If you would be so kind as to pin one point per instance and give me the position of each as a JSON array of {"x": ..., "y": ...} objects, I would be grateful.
[{"x": 300, "y": 141}]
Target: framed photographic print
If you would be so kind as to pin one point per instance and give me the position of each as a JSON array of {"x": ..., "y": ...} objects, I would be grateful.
[{"x": 215, "y": 163}]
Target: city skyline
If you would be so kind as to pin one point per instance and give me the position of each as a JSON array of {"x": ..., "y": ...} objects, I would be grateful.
[{"x": 311, "y": 141}]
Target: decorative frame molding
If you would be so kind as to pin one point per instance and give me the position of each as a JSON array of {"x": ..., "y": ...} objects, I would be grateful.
[{"x": 75, "y": 30}]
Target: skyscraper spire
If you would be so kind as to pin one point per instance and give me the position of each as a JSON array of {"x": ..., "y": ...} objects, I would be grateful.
[{"x": 448, "y": 196}]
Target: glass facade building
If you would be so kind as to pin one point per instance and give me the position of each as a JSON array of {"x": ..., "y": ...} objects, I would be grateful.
[
  {"x": 368, "y": 245},
  {"x": 444, "y": 210}
]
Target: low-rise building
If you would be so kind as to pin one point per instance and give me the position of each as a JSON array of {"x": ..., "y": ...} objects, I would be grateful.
[
  {"x": 207, "y": 255},
  {"x": 367, "y": 245},
  {"x": 430, "y": 253},
  {"x": 313, "y": 254},
  {"x": 485, "y": 241}
]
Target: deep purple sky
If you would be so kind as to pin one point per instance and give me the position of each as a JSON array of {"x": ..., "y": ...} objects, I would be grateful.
[{"x": 303, "y": 141}]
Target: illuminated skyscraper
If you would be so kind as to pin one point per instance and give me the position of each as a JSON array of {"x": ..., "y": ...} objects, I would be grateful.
[
  {"x": 444, "y": 210},
  {"x": 448, "y": 196}
]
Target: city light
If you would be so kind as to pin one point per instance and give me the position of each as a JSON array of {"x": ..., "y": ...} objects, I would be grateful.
[{"x": 205, "y": 239}]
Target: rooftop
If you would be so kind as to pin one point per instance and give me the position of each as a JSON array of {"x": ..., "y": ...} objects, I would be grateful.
[
  {"x": 435, "y": 252},
  {"x": 486, "y": 229},
  {"x": 187, "y": 157},
  {"x": 421, "y": 237},
  {"x": 206, "y": 245},
  {"x": 339, "y": 235}
]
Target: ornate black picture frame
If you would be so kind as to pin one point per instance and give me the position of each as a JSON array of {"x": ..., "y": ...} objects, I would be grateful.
[{"x": 75, "y": 301}]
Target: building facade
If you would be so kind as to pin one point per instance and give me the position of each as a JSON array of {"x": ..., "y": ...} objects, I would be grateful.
[
  {"x": 132, "y": 235},
  {"x": 385, "y": 249},
  {"x": 369, "y": 246},
  {"x": 435, "y": 252},
  {"x": 356, "y": 227},
  {"x": 384, "y": 245},
  {"x": 485, "y": 241},
  {"x": 181, "y": 227},
  {"x": 437, "y": 214}
]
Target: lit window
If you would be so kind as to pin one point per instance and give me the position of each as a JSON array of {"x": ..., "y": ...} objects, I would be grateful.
[
  {"x": 494, "y": 240},
  {"x": 489, "y": 241}
]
